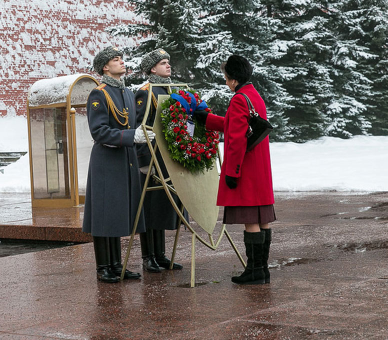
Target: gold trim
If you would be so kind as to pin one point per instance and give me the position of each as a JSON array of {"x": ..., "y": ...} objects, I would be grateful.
[{"x": 115, "y": 111}]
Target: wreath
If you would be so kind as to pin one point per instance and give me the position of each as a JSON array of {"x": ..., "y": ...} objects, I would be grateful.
[{"x": 189, "y": 142}]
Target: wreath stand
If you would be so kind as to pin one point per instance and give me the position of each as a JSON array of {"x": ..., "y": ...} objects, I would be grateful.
[{"x": 201, "y": 205}]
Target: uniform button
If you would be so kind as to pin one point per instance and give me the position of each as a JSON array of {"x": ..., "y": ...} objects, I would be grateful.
[{"x": 130, "y": 164}]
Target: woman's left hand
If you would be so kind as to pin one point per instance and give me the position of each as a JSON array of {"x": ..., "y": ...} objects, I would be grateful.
[{"x": 231, "y": 182}]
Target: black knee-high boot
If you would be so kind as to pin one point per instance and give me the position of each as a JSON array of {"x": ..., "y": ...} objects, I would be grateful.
[
  {"x": 115, "y": 255},
  {"x": 266, "y": 248},
  {"x": 103, "y": 262},
  {"x": 147, "y": 252},
  {"x": 253, "y": 273},
  {"x": 160, "y": 249}
]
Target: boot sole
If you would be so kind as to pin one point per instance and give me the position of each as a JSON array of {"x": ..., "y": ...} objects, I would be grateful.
[
  {"x": 108, "y": 280},
  {"x": 257, "y": 282},
  {"x": 152, "y": 271}
]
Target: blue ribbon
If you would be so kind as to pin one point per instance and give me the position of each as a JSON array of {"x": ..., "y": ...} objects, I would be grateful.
[{"x": 193, "y": 104}]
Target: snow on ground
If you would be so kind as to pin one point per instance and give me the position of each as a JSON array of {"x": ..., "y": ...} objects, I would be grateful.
[{"x": 357, "y": 164}]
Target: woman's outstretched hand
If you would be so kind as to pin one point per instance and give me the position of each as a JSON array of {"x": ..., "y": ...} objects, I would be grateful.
[{"x": 200, "y": 116}]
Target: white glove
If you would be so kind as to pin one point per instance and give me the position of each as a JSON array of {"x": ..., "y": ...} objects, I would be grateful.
[
  {"x": 144, "y": 170},
  {"x": 140, "y": 137}
]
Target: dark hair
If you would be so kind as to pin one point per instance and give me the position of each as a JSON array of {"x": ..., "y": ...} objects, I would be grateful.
[{"x": 238, "y": 68}]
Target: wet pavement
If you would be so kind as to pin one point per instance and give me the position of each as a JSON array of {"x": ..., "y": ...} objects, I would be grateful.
[
  {"x": 329, "y": 280},
  {"x": 16, "y": 247}
]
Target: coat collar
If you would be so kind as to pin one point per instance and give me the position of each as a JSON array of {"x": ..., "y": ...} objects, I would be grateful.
[{"x": 240, "y": 86}]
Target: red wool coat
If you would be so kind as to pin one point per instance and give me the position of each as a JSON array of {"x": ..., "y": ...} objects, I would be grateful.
[{"x": 253, "y": 168}]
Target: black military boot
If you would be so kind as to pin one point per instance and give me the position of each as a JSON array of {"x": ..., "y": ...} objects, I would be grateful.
[
  {"x": 266, "y": 247},
  {"x": 254, "y": 273},
  {"x": 160, "y": 249},
  {"x": 147, "y": 252},
  {"x": 115, "y": 255},
  {"x": 101, "y": 252}
]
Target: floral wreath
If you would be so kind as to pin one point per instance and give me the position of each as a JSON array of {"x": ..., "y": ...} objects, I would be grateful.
[{"x": 189, "y": 142}]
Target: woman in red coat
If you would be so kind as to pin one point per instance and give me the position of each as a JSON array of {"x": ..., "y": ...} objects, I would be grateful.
[{"x": 245, "y": 188}]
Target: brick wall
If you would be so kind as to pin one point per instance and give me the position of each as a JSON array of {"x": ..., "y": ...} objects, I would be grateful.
[{"x": 48, "y": 38}]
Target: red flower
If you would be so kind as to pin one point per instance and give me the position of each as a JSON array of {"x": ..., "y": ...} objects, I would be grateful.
[
  {"x": 183, "y": 132},
  {"x": 175, "y": 121},
  {"x": 178, "y": 139},
  {"x": 176, "y": 129},
  {"x": 199, "y": 158},
  {"x": 193, "y": 155},
  {"x": 178, "y": 104},
  {"x": 172, "y": 107},
  {"x": 180, "y": 116},
  {"x": 183, "y": 147},
  {"x": 208, "y": 155}
]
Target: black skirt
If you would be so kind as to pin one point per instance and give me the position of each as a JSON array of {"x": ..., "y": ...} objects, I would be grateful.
[{"x": 261, "y": 214}]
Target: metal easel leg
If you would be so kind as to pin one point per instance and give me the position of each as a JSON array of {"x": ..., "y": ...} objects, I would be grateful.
[
  {"x": 193, "y": 261},
  {"x": 174, "y": 249},
  {"x": 127, "y": 256},
  {"x": 234, "y": 247},
  {"x": 178, "y": 229}
]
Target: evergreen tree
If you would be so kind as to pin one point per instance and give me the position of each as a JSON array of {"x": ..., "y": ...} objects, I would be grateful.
[
  {"x": 320, "y": 65},
  {"x": 367, "y": 23},
  {"x": 308, "y": 41},
  {"x": 349, "y": 106}
]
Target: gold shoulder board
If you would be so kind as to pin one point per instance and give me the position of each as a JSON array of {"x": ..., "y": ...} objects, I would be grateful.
[{"x": 100, "y": 87}]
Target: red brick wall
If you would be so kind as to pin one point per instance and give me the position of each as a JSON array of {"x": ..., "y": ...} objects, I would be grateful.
[{"x": 47, "y": 38}]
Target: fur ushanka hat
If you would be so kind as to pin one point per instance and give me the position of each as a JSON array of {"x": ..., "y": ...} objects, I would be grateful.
[
  {"x": 239, "y": 68},
  {"x": 152, "y": 58},
  {"x": 103, "y": 57}
]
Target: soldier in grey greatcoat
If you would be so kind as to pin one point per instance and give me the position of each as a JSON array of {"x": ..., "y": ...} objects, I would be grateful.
[
  {"x": 158, "y": 211},
  {"x": 113, "y": 187}
]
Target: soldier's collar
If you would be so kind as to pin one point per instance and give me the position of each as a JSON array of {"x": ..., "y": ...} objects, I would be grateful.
[
  {"x": 153, "y": 78},
  {"x": 113, "y": 82}
]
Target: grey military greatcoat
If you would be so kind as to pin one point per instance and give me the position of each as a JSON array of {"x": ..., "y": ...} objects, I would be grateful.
[{"x": 113, "y": 186}]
